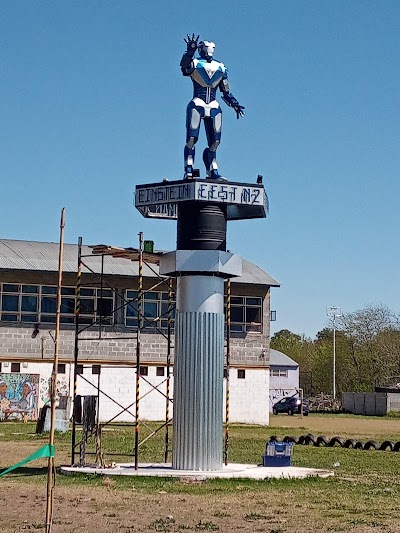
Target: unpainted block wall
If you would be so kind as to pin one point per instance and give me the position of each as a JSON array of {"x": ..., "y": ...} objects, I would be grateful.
[
  {"x": 365, "y": 403},
  {"x": 17, "y": 344}
]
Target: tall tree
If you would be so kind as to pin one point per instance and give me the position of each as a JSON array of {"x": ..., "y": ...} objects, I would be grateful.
[
  {"x": 295, "y": 346},
  {"x": 373, "y": 345},
  {"x": 367, "y": 351}
]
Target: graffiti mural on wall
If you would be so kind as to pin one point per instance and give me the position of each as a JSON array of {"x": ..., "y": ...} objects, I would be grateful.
[
  {"x": 62, "y": 389},
  {"x": 277, "y": 394},
  {"x": 19, "y": 394}
]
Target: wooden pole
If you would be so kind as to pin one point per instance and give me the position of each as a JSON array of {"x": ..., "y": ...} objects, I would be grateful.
[{"x": 53, "y": 389}]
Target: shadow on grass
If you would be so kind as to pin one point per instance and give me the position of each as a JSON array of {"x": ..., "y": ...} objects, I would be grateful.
[{"x": 24, "y": 471}]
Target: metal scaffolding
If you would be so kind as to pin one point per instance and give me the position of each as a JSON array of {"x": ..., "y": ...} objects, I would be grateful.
[
  {"x": 227, "y": 368},
  {"x": 143, "y": 258}
]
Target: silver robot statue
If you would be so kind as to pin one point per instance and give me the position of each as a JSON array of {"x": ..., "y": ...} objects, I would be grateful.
[{"x": 207, "y": 75}]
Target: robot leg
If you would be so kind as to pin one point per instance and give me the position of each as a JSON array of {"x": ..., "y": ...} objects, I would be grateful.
[
  {"x": 213, "y": 131},
  {"x": 193, "y": 118}
]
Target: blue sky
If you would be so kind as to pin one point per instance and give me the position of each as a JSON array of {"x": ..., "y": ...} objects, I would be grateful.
[{"x": 92, "y": 103}]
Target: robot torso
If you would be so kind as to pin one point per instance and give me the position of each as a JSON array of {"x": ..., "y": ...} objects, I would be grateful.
[{"x": 206, "y": 77}]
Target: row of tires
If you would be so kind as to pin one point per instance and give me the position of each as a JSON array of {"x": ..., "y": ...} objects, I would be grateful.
[{"x": 323, "y": 440}]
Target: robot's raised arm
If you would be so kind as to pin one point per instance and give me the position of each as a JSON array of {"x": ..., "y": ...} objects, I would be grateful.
[
  {"x": 229, "y": 99},
  {"x": 187, "y": 58},
  {"x": 187, "y": 64}
]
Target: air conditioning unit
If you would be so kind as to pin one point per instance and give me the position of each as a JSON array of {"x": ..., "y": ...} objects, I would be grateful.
[
  {"x": 6, "y": 364},
  {"x": 24, "y": 365}
]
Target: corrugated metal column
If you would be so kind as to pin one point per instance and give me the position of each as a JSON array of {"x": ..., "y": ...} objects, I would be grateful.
[
  {"x": 198, "y": 373},
  {"x": 199, "y": 354}
]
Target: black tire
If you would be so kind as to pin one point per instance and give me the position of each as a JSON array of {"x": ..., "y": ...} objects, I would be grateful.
[
  {"x": 336, "y": 440},
  {"x": 322, "y": 440},
  {"x": 305, "y": 414},
  {"x": 387, "y": 444},
  {"x": 289, "y": 438},
  {"x": 274, "y": 411},
  {"x": 310, "y": 439},
  {"x": 359, "y": 445},
  {"x": 396, "y": 447},
  {"x": 274, "y": 438},
  {"x": 371, "y": 444},
  {"x": 302, "y": 439},
  {"x": 290, "y": 412},
  {"x": 350, "y": 443}
]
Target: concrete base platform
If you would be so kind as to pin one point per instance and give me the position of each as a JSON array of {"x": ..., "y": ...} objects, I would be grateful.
[{"x": 232, "y": 470}]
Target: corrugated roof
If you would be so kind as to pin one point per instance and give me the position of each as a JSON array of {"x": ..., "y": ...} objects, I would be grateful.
[
  {"x": 43, "y": 257},
  {"x": 254, "y": 274},
  {"x": 277, "y": 358}
]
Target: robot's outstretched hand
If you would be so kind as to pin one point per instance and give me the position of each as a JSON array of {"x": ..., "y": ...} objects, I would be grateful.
[
  {"x": 191, "y": 43},
  {"x": 229, "y": 99},
  {"x": 239, "y": 110}
]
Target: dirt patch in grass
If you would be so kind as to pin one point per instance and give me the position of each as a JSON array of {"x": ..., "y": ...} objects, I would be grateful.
[{"x": 105, "y": 509}]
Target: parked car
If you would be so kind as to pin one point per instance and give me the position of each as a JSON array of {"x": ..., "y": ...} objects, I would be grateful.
[{"x": 291, "y": 405}]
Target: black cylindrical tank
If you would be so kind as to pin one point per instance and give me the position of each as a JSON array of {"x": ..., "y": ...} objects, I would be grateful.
[{"x": 201, "y": 226}]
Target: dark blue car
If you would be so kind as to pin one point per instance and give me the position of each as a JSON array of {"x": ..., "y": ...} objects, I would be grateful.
[{"x": 291, "y": 405}]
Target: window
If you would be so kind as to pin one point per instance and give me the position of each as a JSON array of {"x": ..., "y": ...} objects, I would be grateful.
[
  {"x": 279, "y": 373},
  {"x": 0, "y": 366},
  {"x": 35, "y": 304},
  {"x": 96, "y": 369},
  {"x": 225, "y": 373},
  {"x": 19, "y": 302},
  {"x": 144, "y": 370},
  {"x": 61, "y": 368},
  {"x": 154, "y": 309},
  {"x": 15, "y": 367},
  {"x": 241, "y": 373},
  {"x": 160, "y": 371},
  {"x": 246, "y": 313},
  {"x": 79, "y": 369}
]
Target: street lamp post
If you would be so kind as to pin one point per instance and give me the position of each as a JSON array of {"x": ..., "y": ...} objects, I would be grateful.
[{"x": 334, "y": 312}]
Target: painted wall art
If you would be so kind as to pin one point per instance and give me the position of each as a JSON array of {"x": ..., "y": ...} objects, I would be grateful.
[{"x": 19, "y": 395}]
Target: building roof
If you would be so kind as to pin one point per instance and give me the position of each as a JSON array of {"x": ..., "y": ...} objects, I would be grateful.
[
  {"x": 43, "y": 257},
  {"x": 277, "y": 358}
]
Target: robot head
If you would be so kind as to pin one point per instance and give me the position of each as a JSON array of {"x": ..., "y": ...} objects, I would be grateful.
[{"x": 206, "y": 49}]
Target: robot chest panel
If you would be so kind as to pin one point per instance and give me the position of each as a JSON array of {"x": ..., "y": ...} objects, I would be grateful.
[{"x": 208, "y": 74}]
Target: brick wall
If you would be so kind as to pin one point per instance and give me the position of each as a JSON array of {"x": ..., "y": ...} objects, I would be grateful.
[
  {"x": 118, "y": 344},
  {"x": 17, "y": 344}
]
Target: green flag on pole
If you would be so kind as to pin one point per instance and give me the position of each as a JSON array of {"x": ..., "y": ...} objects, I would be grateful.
[{"x": 46, "y": 451}]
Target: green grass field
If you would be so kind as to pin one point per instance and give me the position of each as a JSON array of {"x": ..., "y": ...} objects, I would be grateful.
[{"x": 362, "y": 496}]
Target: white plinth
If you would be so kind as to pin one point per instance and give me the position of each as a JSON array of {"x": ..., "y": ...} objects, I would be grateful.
[{"x": 232, "y": 470}]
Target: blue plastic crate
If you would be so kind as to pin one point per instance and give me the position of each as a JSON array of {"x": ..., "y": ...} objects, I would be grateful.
[
  {"x": 278, "y": 454},
  {"x": 279, "y": 460}
]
